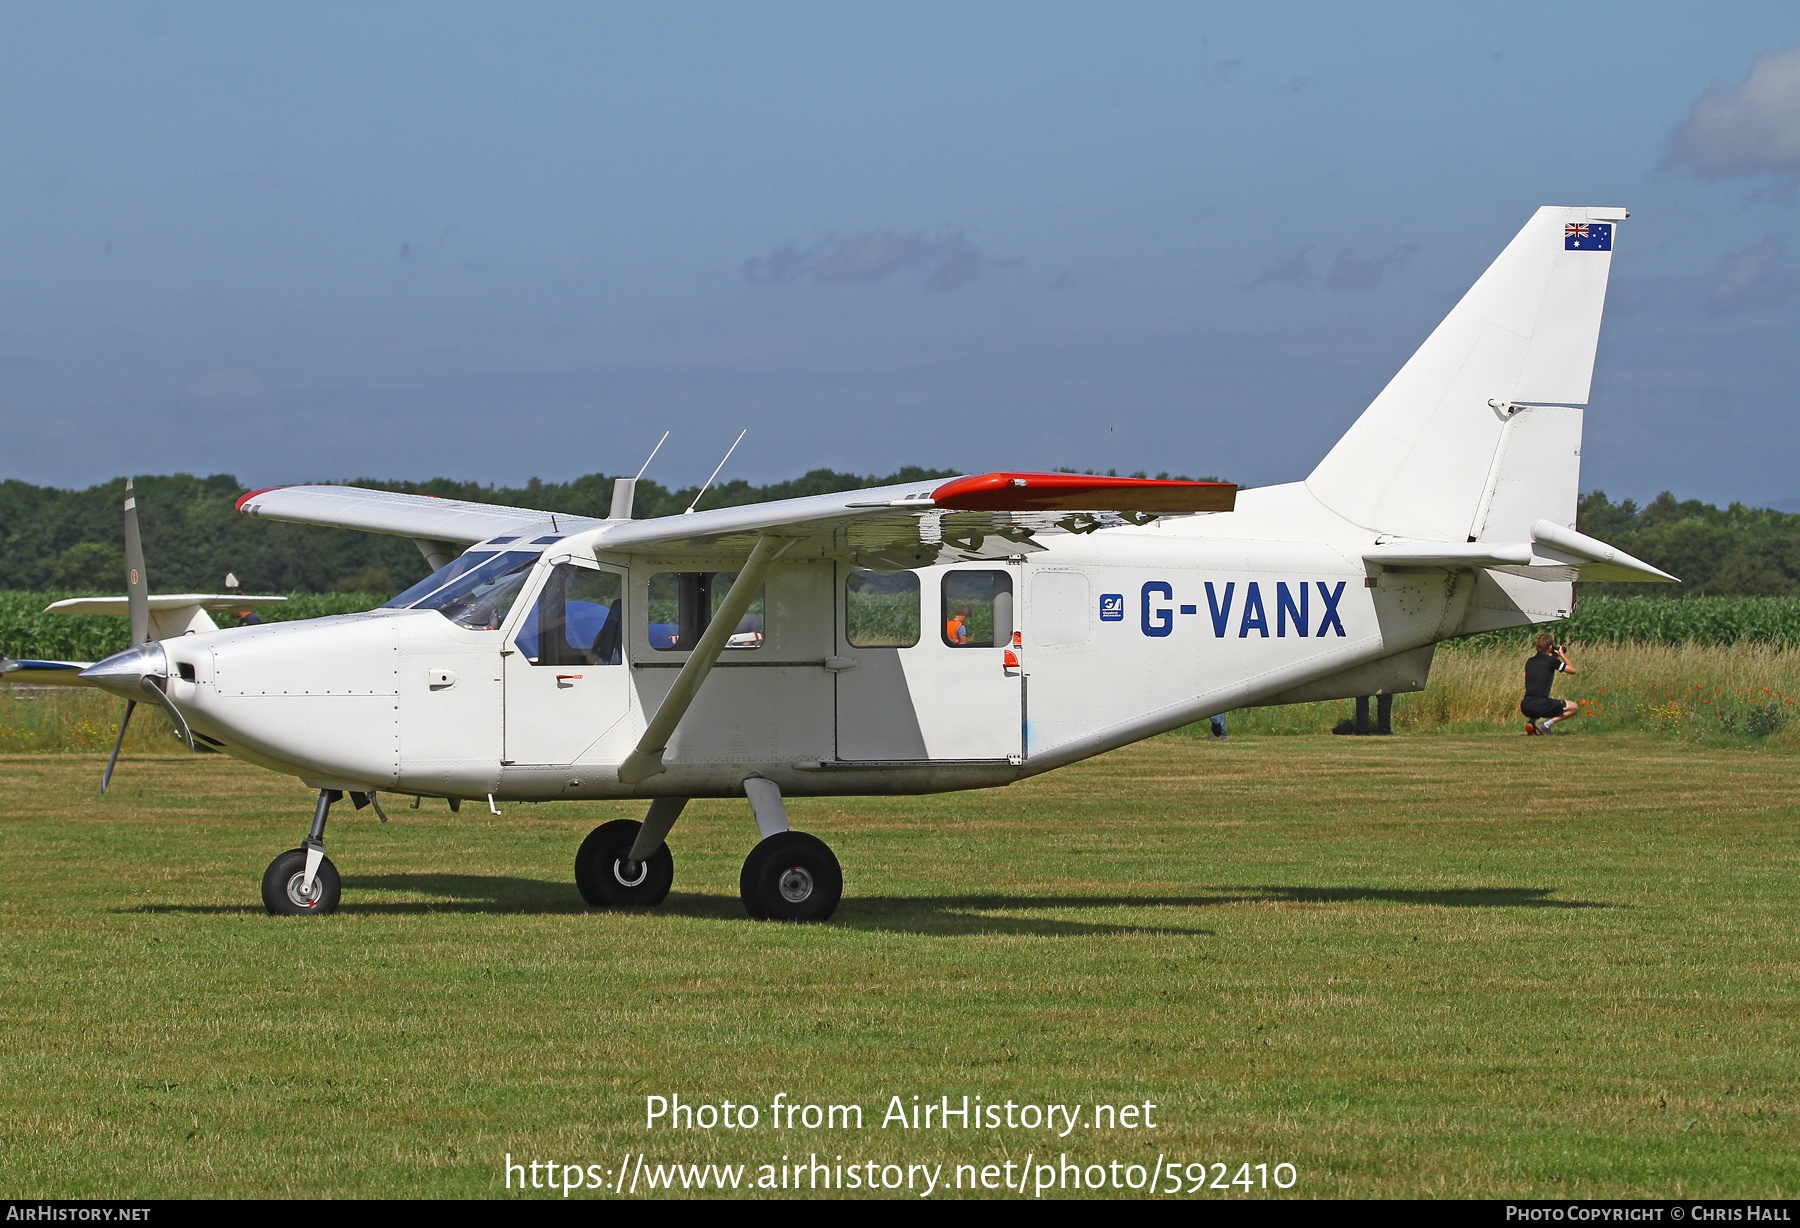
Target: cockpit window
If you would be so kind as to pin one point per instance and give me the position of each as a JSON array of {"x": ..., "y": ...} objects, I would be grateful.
[
  {"x": 475, "y": 591},
  {"x": 577, "y": 620}
]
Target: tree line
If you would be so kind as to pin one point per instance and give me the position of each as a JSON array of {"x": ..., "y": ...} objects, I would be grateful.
[
  {"x": 193, "y": 536},
  {"x": 1737, "y": 551}
]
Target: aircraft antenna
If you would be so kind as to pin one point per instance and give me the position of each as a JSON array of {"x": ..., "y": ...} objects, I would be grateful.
[
  {"x": 652, "y": 456},
  {"x": 720, "y": 465}
]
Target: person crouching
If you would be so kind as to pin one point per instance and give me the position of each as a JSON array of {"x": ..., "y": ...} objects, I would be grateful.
[{"x": 1541, "y": 710}]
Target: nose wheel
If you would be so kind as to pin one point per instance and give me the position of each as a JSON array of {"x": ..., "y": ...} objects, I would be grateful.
[
  {"x": 287, "y": 893},
  {"x": 791, "y": 876},
  {"x": 302, "y": 882}
]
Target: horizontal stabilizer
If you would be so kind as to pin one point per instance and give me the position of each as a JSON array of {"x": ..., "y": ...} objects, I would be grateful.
[
  {"x": 171, "y": 614},
  {"x": 1552, "y": 543},
  {"x": 1553, "y": 553},
  {"x": 1450, "y": 555},
  {"x": 166, "y": 601}
]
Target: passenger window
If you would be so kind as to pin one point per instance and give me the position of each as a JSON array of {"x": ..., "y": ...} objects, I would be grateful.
[
  {"x": 881, "y": 609},
  {"x": 978, "y": 609},
  {"x": 682, "y": 605},
  {"x": 577, "y": 619}
]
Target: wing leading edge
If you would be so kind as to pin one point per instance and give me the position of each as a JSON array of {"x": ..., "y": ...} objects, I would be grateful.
[{"x": 385, "y": 511}]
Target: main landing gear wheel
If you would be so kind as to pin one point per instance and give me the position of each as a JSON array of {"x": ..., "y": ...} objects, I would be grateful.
[
  {"x": 607, "y": 880},
  {"x": 791, "y": 876},
  {"x": 285, "y": 896}
]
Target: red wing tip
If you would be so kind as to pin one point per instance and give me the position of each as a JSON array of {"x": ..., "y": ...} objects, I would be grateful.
[
  {"x": 1026, "y": 491},
  {"x": 251, "y": 494}
]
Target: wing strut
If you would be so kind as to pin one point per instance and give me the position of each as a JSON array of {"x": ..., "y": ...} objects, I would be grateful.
[{"x": 646, "y": 760}]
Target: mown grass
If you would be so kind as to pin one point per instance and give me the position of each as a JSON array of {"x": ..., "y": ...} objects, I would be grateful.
[{"x": 1456, "y": 965}]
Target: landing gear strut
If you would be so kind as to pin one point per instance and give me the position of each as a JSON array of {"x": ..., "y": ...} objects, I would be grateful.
[
  {"x": 789, "y": 875},
  {"x": 302, "y": 882}
]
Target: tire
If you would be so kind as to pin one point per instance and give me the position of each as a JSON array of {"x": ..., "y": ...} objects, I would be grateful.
[
  {"x": 600, "y": 872},
  {"x": 281, "y": 887},
  {"x": 791, "y": 876}
]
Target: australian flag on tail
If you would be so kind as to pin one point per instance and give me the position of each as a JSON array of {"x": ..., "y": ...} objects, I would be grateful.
[{"x": 1587, "y": 237}]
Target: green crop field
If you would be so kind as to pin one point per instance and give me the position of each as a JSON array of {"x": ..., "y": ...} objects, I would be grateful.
[{"x": 1462, "y": 964}]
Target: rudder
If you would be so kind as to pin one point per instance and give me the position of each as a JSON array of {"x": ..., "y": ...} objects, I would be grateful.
[{"x": 1479, "y": 434}]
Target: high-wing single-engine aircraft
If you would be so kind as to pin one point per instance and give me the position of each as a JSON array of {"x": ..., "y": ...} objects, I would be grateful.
[{"x": 918, "y": 638}]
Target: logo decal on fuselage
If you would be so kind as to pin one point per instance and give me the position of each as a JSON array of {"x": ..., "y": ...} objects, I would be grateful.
[
  {"x": 1293, "y": 609},
  {"x": 1112, "y": 607}
]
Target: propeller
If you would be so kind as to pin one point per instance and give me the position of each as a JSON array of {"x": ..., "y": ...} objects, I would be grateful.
[
  {"x": 137, "y": 584},
  {"x": 137, "y": 602}
]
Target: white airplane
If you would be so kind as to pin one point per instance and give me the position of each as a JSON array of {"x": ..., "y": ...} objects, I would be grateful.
[{"x": 918, "y": 638}]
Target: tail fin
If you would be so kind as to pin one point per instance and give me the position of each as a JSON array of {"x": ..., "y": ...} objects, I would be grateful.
[{"x": 1479, "y": 435}]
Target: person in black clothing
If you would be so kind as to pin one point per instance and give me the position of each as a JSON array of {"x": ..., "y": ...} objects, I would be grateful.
[{"x": 1540, "y": 709}]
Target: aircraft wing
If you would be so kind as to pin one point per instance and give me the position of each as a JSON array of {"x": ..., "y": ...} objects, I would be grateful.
[
  {"x": 989, "y": 515},
  {"x": 423, "y": 517},
  {"x": 44, "y": 673}
]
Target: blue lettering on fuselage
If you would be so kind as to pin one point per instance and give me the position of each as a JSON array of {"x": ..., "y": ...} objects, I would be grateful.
[
  {"x": 1160, "y": 621},
  {"x": 1293, "y": 609}
]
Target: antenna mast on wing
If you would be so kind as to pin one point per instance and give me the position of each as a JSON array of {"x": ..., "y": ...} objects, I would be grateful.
[
  {"x": 716, "y": 468},
  {"x": 652, "y": 456},
  {"x": 624, "y": 492}
]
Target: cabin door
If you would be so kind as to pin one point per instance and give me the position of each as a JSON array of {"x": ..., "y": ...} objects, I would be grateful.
[
  {"x": 930, "y": 681},
  {"x": 565, "y": 676}
]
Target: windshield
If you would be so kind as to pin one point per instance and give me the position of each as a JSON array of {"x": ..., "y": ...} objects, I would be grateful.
[
  {"x": 437, "y": 579},
  {"x": 475, "y": 591}
]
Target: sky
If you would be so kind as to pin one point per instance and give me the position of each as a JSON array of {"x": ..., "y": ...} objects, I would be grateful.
[{"x": 497, "y": 241}]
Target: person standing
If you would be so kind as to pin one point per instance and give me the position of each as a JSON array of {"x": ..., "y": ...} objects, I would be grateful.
[{"x": 1540, "y": 709}]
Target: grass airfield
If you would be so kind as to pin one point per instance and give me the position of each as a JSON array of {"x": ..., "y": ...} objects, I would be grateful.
[{"x": 1419, "y": 966}]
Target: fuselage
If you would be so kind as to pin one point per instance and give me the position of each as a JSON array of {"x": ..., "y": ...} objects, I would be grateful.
[{"x": 842, "y": 681}]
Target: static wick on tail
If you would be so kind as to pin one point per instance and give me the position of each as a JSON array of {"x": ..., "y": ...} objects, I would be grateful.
[{"x": 716, "y": 468}]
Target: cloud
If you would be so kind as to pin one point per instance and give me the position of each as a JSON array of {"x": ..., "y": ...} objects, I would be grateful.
[
  {"x": 231, "y": 384},
  {"x": 945, "y": 263},
  {"x": 1220, "y": 72},
  {"x": 1755, "y": 277},
  {"x": 1353, "y": 272},
  {"x": 1292, "y": 269},
  {"x": 1750, "y": 129}
]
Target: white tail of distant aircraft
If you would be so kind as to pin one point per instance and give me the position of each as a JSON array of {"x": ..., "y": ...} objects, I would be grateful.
[{"x": 919, "y": 638}]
